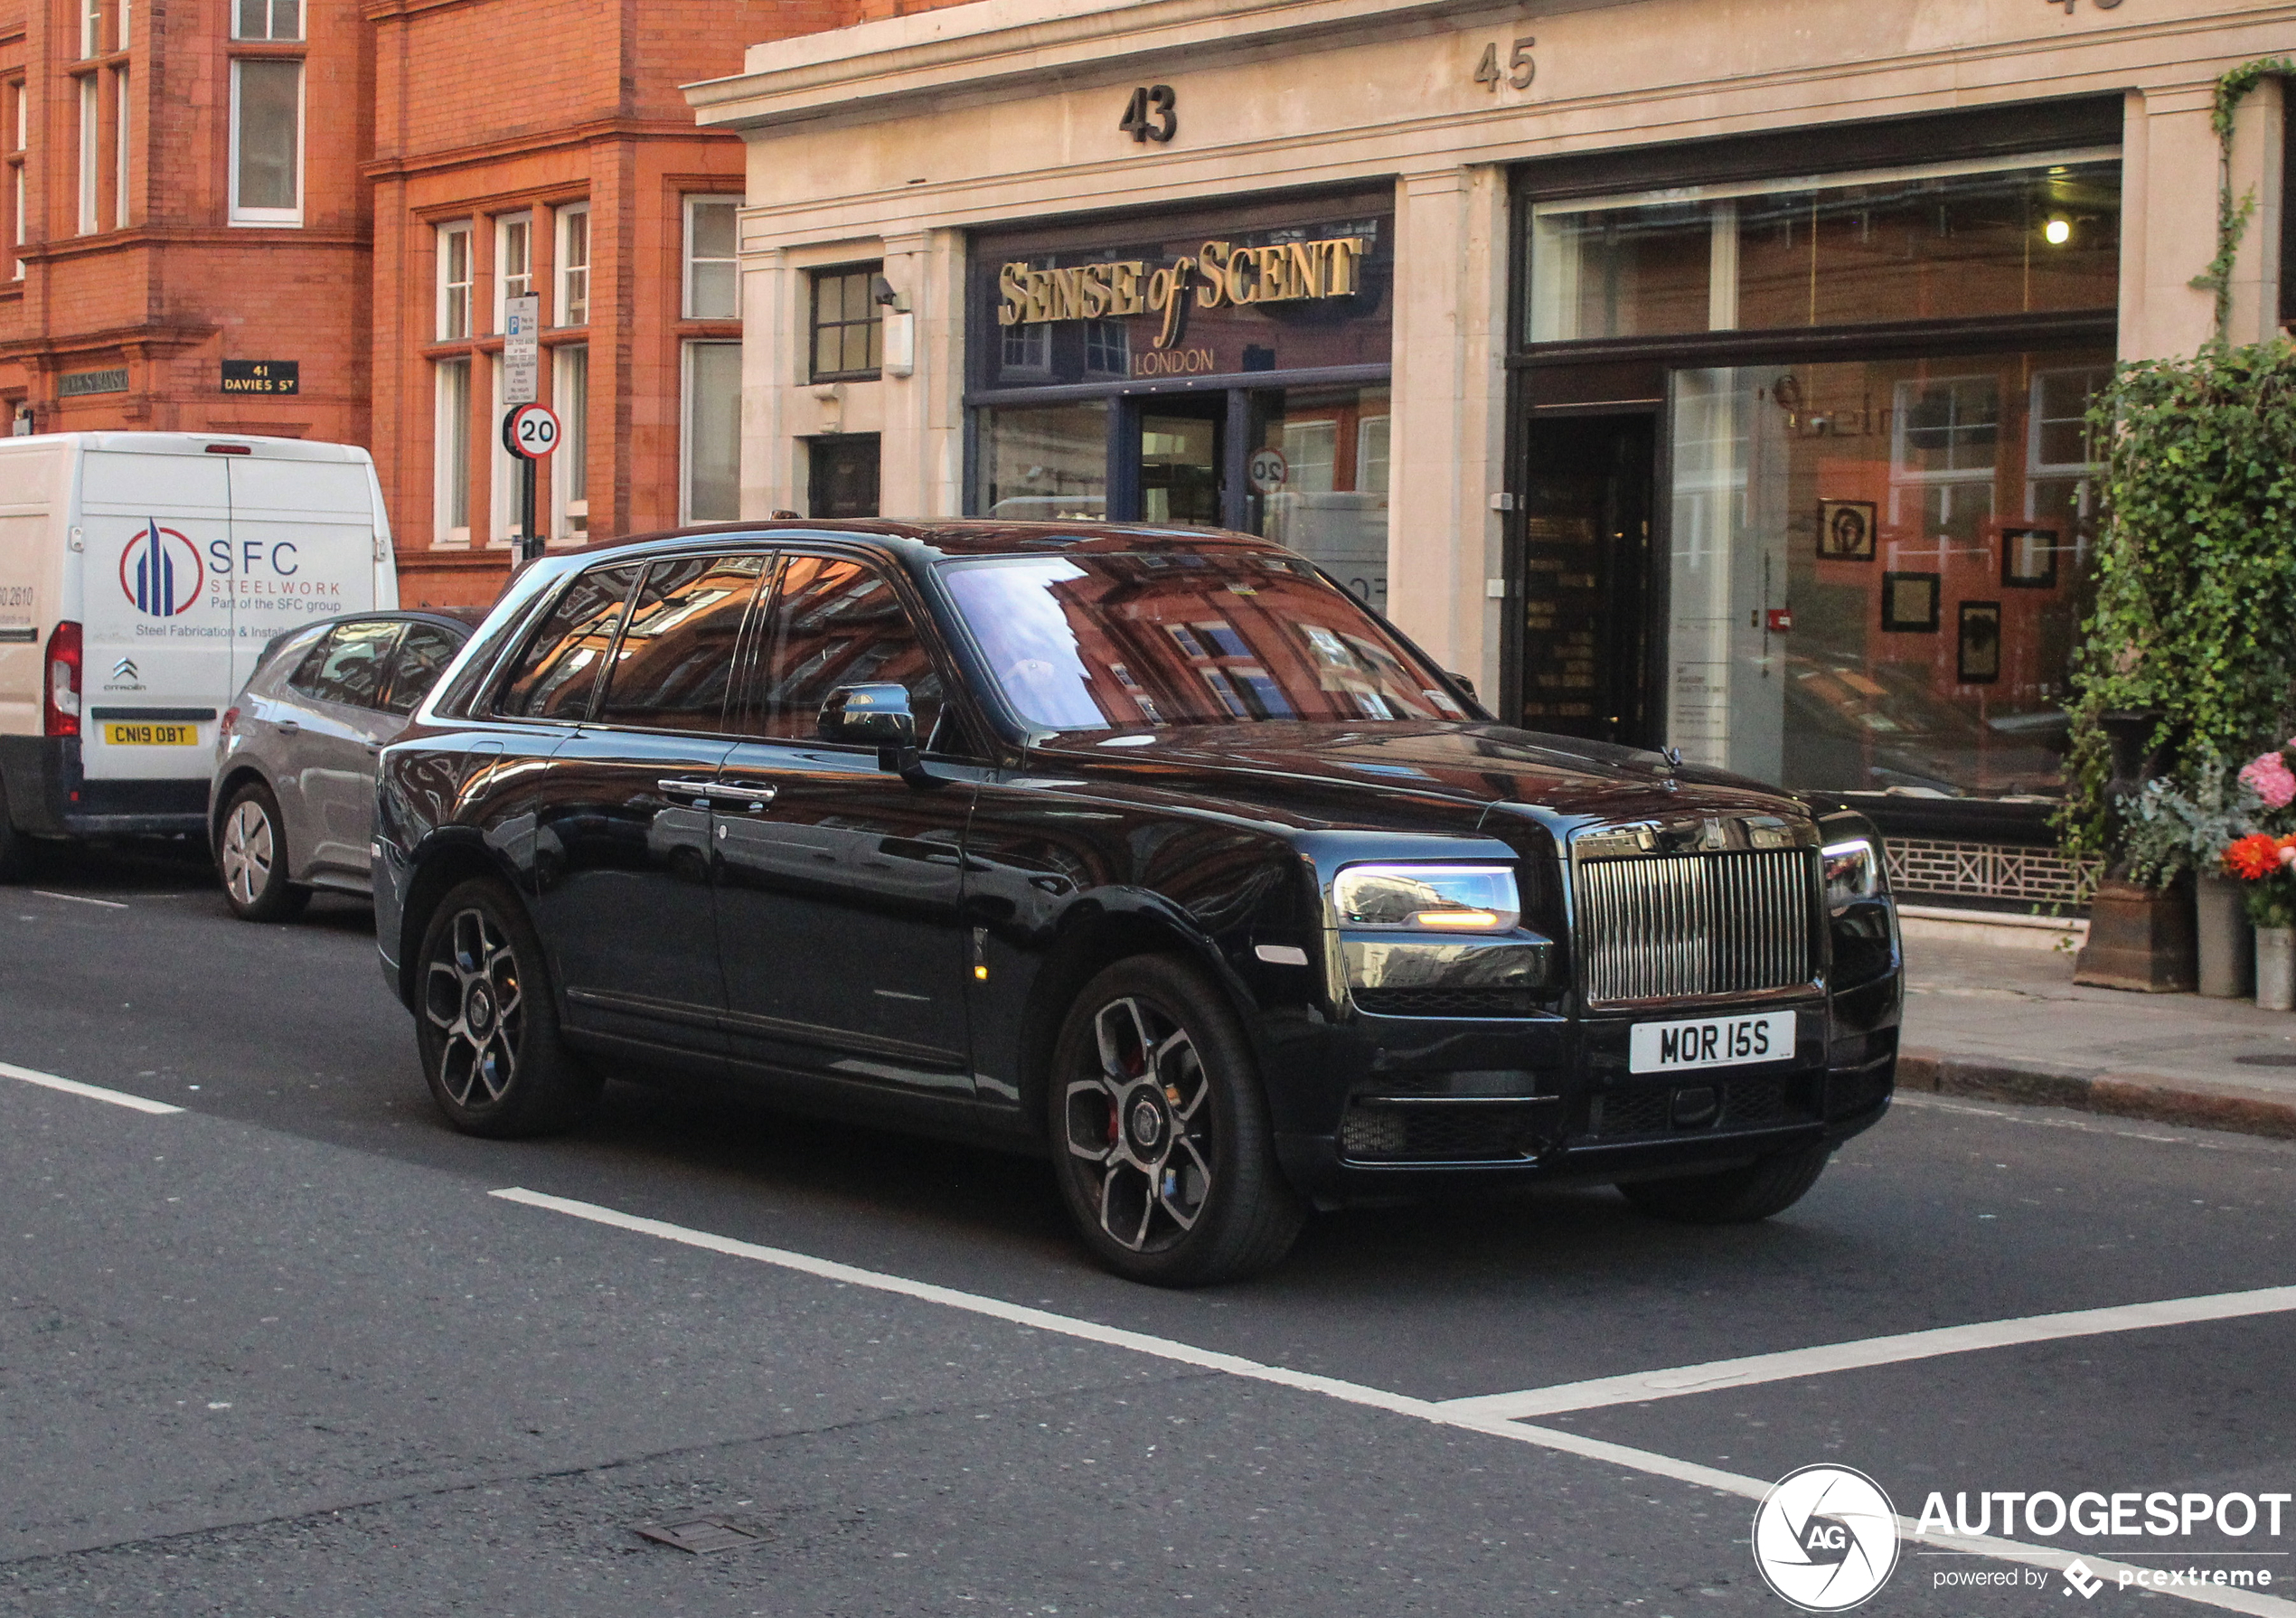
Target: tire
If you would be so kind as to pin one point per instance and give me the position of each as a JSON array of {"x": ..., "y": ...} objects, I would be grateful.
[
  {"x": 1735, "y": 1196},
  {"x": 251, "y": 857},
  {"x": 486, "y": 1021},
  {"x": 1153, "y": 1085},
  {"x": 16, "y": 848}
]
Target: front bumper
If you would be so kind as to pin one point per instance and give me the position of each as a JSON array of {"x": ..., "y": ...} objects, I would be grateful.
[{"x": 1373, "y": 1109}]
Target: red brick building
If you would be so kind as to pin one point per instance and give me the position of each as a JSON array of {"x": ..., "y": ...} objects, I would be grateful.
[
  {"x": 202, "y": 200},
  {"x": 185, "y": 209}
]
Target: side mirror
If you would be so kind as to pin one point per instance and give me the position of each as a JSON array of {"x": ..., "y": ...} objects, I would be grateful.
[
  {"x": 868, "y": 716},
  {"x": 876, "y": 716},
  {"x": 1464, "y": 684}
]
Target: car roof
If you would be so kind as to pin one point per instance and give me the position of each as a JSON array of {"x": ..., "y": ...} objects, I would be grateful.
[
  {"x": 960, "y": 536},
  {"x": 465, "y": 618}
]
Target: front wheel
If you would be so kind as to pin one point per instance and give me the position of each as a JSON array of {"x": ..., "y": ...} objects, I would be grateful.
[
  {"x": 253, "y": 856},
  {"x": 486, "y": 1023},
  {"x": 1160, "y": 1132},
  {"x": 1735, "y": 1196}
]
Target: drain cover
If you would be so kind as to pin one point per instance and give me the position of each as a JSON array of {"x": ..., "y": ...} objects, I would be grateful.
[
  {"x": 704, "y": 1534},
  {"x": 2274, "y": 1059}
]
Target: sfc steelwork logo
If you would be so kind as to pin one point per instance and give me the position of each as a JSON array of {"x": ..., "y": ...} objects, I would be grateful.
[
  {"x": 160, "y": 572},
  {"x": 1825, "y": 1538}
]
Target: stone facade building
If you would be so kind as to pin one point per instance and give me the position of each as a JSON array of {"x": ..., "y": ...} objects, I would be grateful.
[{"x": 1700, "y": 374}]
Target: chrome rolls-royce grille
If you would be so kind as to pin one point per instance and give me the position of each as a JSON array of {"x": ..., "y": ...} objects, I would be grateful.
[{"x": 1684, "y": 925}]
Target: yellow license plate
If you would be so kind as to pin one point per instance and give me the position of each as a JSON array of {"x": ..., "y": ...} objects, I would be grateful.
[{"x": 152, "y": 736}]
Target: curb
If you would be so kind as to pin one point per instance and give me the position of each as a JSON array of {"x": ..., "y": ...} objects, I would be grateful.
[{"x": 2147, "y": 1097}]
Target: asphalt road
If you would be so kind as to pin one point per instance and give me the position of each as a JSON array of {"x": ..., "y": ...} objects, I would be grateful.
[{"x": 281, "y": 1352}]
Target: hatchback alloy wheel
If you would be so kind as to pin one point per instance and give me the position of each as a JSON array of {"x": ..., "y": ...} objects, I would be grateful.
[
  {"x": 472, "y": 998},
  {"x": 248, "y": 849},
  {"x": 1144, "y": 1125},
  {"x": 251, "y": 857}
]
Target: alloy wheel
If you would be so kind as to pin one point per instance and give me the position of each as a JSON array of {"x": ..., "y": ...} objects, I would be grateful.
[
  {"x": 1143, "y": 1122},
  {"x": 472, "y": 998},
  {"x": 248, "y": 850}
]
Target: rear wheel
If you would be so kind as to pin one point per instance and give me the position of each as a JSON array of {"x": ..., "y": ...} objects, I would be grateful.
[
  {"x": 1160, "y": 1132},
  {"x": 1735, "y": 1196},
  {"x": 253, "y": 856},
  {"x": 487, "y": 1024}
]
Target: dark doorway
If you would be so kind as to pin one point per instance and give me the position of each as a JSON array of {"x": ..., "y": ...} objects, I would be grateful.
[
  {"x": 842, "y": 475},
  {"x": 1582, "y": 578},
  {"x": 1182, "y": 447}
]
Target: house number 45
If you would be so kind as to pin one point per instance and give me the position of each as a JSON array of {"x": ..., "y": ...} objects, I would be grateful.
[{"x": 1518, "y": 72}]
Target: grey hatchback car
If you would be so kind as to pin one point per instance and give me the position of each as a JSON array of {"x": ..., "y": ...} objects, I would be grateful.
[{"x": 291, "y": 806}]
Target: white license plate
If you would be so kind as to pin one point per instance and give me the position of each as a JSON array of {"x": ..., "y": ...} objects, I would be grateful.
[{"x": 1710, "y": 1042}]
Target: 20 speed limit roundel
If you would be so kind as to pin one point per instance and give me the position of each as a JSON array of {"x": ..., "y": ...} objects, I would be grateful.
[{"x": 531, "y": 431}]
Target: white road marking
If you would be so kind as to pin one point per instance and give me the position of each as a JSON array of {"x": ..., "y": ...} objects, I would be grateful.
[
  {"x": 1447, "y": 1415},
  {"x": 72, "y": 1087},
  {"x": 1640, "y": 1387},
  {"x": 80, "y": 899}
]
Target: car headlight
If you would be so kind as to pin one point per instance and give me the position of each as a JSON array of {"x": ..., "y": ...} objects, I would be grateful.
[
  {"x": 1427, "y": 898},
  {"x": 1853, "y": 871}
]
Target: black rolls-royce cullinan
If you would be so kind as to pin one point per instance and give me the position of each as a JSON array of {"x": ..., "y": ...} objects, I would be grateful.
[{"x": 1151, "y": 850}]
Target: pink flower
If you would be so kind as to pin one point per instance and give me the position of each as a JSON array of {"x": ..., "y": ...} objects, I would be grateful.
[{"x": 2268, "y": 774}]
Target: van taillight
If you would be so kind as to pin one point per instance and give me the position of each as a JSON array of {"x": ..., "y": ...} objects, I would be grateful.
[
  {"x": 59, "y": 704},
  {"x": 227, "y": 727}
]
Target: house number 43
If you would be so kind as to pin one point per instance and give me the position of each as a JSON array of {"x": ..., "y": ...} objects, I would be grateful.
[{"x": 1516, "y": 72}]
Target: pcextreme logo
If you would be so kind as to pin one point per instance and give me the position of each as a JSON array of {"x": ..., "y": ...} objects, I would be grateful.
[
  {"x": 160, "y": 572},
  {"x": 1825, "y": 1538}
]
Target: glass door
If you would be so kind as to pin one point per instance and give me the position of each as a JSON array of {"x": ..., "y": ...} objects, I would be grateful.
[
  {"x": 1183, "y": 475},
  {"x": 1583, "y": 578}
]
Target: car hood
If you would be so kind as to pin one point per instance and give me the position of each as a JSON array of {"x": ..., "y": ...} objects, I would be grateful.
[{"x": 1470, "y": 769}]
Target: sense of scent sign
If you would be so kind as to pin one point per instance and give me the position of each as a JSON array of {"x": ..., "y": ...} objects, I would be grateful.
[{"x": 1221, "y": 273}]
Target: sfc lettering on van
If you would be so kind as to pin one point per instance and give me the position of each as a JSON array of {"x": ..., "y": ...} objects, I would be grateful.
[{"x": 160, "y": 572}]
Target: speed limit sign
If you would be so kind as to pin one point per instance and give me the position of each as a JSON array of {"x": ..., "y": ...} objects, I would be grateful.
[
  {"x": 529, "y": 432},
  {"x": 1268, "y": 471}
]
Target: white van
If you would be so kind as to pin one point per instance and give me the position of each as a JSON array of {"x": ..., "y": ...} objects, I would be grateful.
[{"x": 141, "y": 575}]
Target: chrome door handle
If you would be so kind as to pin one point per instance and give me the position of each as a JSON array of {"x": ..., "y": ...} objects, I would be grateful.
[
  {"x": 754, "y": 798},
  {"x": 696, "y": 791},
  {"x": 287, "y": 728}
]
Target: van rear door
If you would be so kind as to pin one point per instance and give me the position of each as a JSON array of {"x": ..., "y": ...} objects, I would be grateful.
[
  {"x": 155, "y": 533},
  {"x": 302, "y": 543}
]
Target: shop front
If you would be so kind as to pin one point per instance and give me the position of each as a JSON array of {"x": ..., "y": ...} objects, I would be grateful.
[
  {"x": 1806, "y": 488},
  {"x": 1214, "y": 368}
]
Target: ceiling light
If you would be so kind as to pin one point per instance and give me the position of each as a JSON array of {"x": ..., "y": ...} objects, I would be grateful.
[{"x": 2057, "y": 231}]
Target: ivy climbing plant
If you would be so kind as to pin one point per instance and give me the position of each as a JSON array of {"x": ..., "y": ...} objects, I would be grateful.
[{"x": 2195, "y": 618}]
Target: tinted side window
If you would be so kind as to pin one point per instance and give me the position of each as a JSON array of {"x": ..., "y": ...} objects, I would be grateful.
[
  {"x": 424, "y": 653},
  {"x": 553, "y": 678},
  {"x": 348, "y": 664},
  {"x": 840, "y": 623},
  {"x": 675, "y": 658}
]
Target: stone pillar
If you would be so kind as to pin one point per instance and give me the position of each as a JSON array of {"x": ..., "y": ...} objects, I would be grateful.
[
  {"x": 2169, "y": 221},
  {"x": 2258, "y": 158},
  {"x": 1448, "y": 435},
  {"x": 765, "y": 368},
  {"x": 903, "y": 452},
  {"x": 940, "y": 375}
]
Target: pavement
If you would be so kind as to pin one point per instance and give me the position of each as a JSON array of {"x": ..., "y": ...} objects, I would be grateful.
[{"x": 2007, "y": 1023}]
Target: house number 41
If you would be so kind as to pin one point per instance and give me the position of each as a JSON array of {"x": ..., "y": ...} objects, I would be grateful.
[{"x": 2100, "y": 5}]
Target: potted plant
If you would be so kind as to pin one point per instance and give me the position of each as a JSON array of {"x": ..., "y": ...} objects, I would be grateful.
[
  {"x": 2170, "y": 832},
  {"x": 2265, "y": 865}
]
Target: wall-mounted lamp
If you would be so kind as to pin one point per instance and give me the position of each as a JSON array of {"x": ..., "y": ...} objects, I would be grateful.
[
  {"x": 2057, "y": 231},
  {"x": 898, "y": 356}
]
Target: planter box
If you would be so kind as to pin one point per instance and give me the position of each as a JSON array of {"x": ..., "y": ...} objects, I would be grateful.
[{"x": 2140, "y": 939}]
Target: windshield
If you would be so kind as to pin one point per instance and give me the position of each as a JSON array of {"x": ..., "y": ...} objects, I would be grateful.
[{"x": 1097, "y": 643}]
